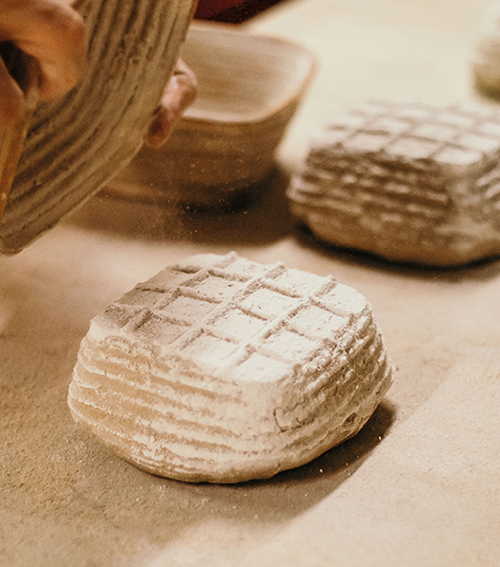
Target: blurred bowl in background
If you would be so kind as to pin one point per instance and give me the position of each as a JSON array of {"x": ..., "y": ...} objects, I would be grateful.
[{"x": 249, "y": 88}]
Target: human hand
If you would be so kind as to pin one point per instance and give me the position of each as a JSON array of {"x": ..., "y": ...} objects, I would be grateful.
[
  {"x": 51, "y": 33},
  {"x": 180, "y": 93}
]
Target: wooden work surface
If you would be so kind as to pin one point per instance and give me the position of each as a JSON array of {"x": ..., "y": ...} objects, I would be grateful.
[{"x": 419, "y": 486}]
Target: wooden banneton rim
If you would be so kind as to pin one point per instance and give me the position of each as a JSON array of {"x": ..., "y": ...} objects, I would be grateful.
[{"x": 76, "y": 145}]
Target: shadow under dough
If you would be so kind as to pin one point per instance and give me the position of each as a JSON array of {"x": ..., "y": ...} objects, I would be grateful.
[{"x": 482, "y": 270}]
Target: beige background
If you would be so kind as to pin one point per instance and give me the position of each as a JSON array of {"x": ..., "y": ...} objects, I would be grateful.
[{"x": 420, "y": 485}]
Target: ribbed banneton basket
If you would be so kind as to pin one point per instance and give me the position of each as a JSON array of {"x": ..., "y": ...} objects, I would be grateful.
[{"x": 78, "y": 144}]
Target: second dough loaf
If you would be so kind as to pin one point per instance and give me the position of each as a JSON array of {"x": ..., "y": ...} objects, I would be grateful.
[{"x": 410, "y": 182}]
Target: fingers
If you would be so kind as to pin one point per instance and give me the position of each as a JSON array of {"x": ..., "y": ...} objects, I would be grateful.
[
  {"x": 180, "y": 93},
  {"x": 52, "y": 33}
]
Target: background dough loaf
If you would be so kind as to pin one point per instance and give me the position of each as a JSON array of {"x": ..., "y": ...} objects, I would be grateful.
[{"x": 410, "y": 182}]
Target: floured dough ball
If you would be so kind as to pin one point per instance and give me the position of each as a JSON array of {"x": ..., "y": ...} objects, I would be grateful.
[
  {"x": 411, "y": 182},
  {"x": 485, "y": 58},
  {"x": 223, "y": 370}
]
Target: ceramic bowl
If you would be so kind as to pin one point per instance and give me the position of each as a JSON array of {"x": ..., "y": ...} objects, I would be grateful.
[{"x": 249, "y": 88}]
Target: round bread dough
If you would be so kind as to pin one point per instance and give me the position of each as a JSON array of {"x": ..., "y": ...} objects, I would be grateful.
[{"x": 485, "y": 57}]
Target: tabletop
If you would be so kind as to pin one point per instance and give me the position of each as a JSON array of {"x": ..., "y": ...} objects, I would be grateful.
[{"x": 419, "y": 485}]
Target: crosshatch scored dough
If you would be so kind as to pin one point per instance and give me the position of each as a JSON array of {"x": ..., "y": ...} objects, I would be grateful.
[
  {"x": 411, "y": 182},
  {"x": 220, "y": 369}
]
